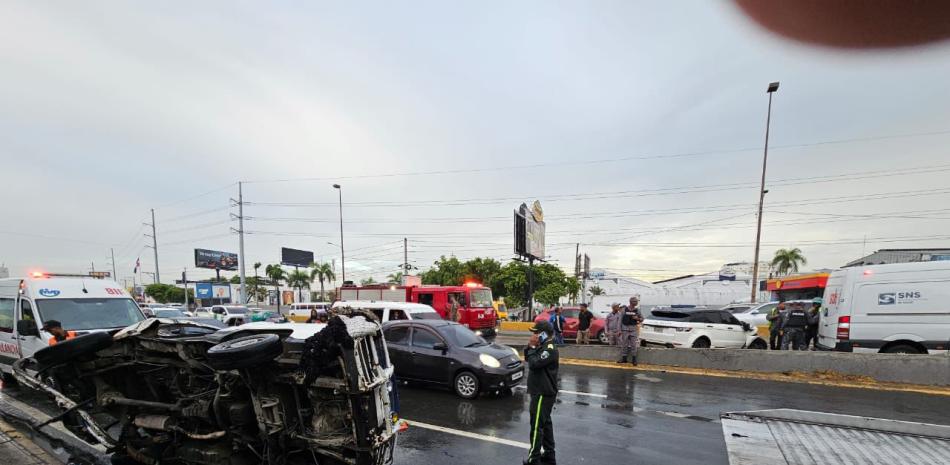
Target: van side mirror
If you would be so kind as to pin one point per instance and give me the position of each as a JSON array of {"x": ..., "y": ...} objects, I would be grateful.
[
  {"x": 440, "y": 346},
  {"x": 27, "y": 328}
]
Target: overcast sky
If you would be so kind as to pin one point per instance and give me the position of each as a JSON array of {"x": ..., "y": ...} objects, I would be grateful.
[{"x": 439, "y": 118}]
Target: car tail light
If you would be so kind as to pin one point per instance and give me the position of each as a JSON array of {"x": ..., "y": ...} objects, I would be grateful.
[
  {"x": 683, "y": 330},
  {"x": 844, "y": 327}
]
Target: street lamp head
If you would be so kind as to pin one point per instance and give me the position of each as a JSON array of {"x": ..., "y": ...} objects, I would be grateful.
[
  {"x": 337, "y": 186},
  {"x": 773, "y": 87}
]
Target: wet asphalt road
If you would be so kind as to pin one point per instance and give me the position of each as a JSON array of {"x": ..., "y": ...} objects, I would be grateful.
[
  {"x": 643, "y": 417},
  {"x": 616, "y": 417}
]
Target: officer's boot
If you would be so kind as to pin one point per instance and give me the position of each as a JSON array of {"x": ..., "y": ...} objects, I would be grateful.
[
  {"x": 634, "y": 360},
  {"x": 622, "y": 359}
]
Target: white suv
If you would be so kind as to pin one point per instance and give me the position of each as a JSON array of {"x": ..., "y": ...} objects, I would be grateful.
[
  {"x": 700, "y": 329},
  {"x": 390, "y": 311},
  {"x": 231, "y": 315}
]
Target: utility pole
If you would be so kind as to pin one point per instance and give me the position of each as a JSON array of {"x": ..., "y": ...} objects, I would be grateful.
[
  {"x": 93, "y": 268},
  {"x": 405, "y": 256},
  {"x": 241, "y": 260},
  {"x": 154, "y": 237},
  {"x": 112, "y": 253},
  {"x": 765, "y": 158},
  {"x": 184, "y": 282}
]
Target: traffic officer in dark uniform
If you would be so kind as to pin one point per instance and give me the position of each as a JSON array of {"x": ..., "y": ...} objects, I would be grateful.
[{"x": 542, "y": 358}]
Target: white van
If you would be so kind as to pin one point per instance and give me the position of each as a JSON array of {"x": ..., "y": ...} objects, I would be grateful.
[
  {"x": 389, "y": 311},
  {"x": 898, "y": 308},
  {"x": 80, "y": 304},
  {"x": 300, "y": 312}
]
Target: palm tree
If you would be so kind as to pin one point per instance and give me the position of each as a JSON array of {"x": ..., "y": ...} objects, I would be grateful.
[
  {"x": 298, "y": 280},
  {"x": 276, "y": 273},
  {"x": 395, "y": 277},
  {"x": 596, "y": 290},
  {"x": 322, "y": 272},
  {"x": 787, "y": 260},
  {"x": 368, "y": 281},
  {"x": 257, "y": 266}
]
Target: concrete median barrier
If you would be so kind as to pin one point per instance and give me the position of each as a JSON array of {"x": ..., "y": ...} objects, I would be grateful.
[{"x": 926, "y": 370}]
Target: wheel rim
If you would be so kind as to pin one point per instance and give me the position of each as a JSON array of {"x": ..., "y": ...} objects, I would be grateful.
[
  {"x": 466, "y": 385},
  {"x": 602, "y": 337}
]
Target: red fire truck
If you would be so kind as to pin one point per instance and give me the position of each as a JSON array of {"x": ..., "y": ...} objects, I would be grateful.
[{"x": 474, "y": 301}]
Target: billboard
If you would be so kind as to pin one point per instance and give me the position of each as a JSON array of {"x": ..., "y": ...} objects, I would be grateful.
[
  {"x": 294, "y": 257},
  {"x": 212, "y": 291},
  {"x": 216, "y": 260},
  {"x": 529, "y": 231}
]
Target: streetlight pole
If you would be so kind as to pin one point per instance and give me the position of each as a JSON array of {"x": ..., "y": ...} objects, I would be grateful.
[
  {"x": 765, "y": 158},
  {"x": 342, "y": 256}
]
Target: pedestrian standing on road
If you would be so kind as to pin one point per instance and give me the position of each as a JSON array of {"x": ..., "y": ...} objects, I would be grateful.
[
  {"x": 612, "y": 325},
  {"x": 793, "y": 327},
  {"x": 630, "y": 331},
  {"x": 584, "y": 318},
  {"x": 542, "y": 359},
  {"x": 557, "y": 323},
  {"x": 775, "y": 317},
  {"x": 314, "y": 316},
  {"x": 811, "y": 332}
]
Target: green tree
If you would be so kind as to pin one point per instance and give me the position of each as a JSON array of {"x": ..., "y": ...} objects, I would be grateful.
[
  {"x": 550, "y": 284},
  {"x": 164, "y": 293},
  {"x": 298, "y": 280},
  {"x": 322, "y": 272},
  {"x": 256, "y": 291},
  {"x": 236, "y": 279},
  {"x": 368, "y": 281},
  {"x": 395, "y": 277},
  {"x": 481, "y": 270},
  {"x": 596, "y": 290},
  {"x": 444, "y": 272},
  {"x": 276, "y": 274},
  {"x": 786, "y": 261}
]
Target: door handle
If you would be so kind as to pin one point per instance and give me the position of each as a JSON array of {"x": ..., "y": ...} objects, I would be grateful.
[{"x": 709, "y": 326}]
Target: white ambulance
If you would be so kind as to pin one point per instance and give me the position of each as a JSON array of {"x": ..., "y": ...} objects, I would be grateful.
[{"x": 80, "y": 303}]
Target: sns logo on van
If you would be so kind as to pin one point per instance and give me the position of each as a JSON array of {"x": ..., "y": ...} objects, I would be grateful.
[
  {"x": 892, "y": 298},
  {"x": 49, "y": 292}
]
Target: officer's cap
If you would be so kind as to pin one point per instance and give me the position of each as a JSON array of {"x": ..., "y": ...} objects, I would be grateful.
[{"x": 542, "y": 327}]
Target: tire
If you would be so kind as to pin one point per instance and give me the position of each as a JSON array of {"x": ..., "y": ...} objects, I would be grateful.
[
  {"x": 701, "y": 343},
  {"x": 465, "y": 385},
  {"x": 245, "y": 352},
  {"x": 902, "y": 349},
  {"x": 602, "y": 337},
  {"x": 758, "y": 344},
  {"x": 71, "y": 349}
]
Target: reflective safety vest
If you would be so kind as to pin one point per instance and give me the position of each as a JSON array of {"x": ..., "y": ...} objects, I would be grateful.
[{"x": 69, "y": 335}]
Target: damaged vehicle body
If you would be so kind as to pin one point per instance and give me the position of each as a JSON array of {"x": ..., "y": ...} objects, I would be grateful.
[{"x": 180, "y": 392}]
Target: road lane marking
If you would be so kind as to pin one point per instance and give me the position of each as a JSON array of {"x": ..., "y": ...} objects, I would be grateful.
[
  {"x": 600, "y": 396},
  {"x": 469, "y": 434},
  {"x": 576, "y": 393}
]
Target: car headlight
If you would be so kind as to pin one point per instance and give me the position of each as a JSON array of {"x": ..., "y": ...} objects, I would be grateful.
[
  {"x": 489, "y": 361},
  {"x": 517, "y": 354},
  {"x": 478, "y": 333}
]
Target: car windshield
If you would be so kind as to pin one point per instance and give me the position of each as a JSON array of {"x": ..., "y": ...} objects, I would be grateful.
[
  {"x": 481, "y": 298},
  {"x": 168, "y": 313},
  {"x": 237, "y": 310},
  {"x": 570, "y": 312},
  {"x": 425, "y": 316},
  {"x": 461, "y": 336},
  {"x": 84, "y": 314},
  {"x": 737, "y": 309}
]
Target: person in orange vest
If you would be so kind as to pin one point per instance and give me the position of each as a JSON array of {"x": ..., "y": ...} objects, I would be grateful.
[{"x": 59, "y": 334}]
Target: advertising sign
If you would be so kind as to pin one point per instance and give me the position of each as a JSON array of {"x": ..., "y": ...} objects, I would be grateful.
[
  {"x": 203, "y": 290},
  {"x": 216, "y": 260},
  {"x": 221, "y": 291},
  {"x": 294, "y": 257},
  {"x": 529, "y": 231}
]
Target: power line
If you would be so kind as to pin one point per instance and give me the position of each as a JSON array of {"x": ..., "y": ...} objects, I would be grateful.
[{"x": 587, "y": 162}]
